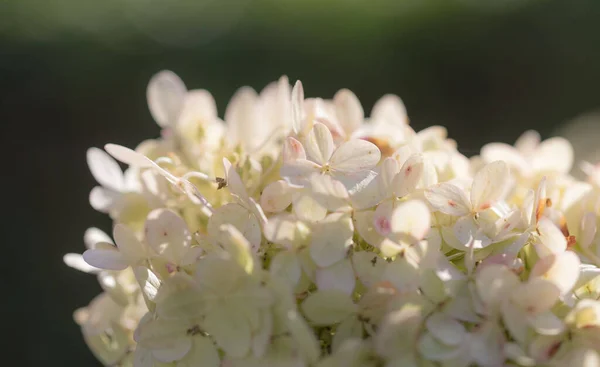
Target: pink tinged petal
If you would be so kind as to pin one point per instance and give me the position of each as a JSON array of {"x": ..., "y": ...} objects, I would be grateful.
[
  {"x": 167, "y": 233},
  {"x": 544, "y": 347},
  {"x": 276, "y": 196},
  {"x": 547, "y": 323},
  {"x": 292, "y": 150},
  {"x": 554, "y": 155},
  {"x": 561, "y": 269},
  {"x": 128, "y": 244},
  {"x": 587, "y": 231},
  {"x": 105, "y": 258},
  {"x": 105, "y": 170},
  {"x": 409, "y": 176},
  {"x": 382, "y": 218},
  {"x": 489, "y": 185},
  {"x": 165, "y": 95},
  {"x": 348, "y": 110},
  {"x": 297, "y": 107},
  {"x": 390, "y": 109},
  {"x": 319, "y": 144},
  {"x": 365, "y": 226},
  {"x": 550, "y": 238},
  {"x": 501, "y": 151},
  {"x": 539, "y": 202},
  {"x": 536, "y": 296},
  {"x": 339, "y": 276},
  {"x": 412, "y": 219},
  {"x": 331, "y": 239},
  {"x": 448, "y": 199},
  {"x": 77, "y": 262},
  {"x": 94, "y": 235},
  {"x": 103, "y": 200},
  {"x": 354, "y": 156}
]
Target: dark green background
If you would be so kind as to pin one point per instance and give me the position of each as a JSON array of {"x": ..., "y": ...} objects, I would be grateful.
[{"x": 73, "y": 75}]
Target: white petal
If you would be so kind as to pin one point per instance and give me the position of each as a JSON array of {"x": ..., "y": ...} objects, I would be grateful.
[
  {"x": 489, "y": 185},
  {"x": 94, "y": 235},
  {"x": 128, "y": 156},
  {"x": 129, "y": 246},
  {"x": 391, "y": 109},
  {"x": 297, "y": 107},
  {"x": 240, "y": 218},
  {"x": 469, "y": 234},
  {"x": 433, "y": 350},
  {"x": 285, "y": 230},
  {"x": 448, "y": 199},
  {"x": 328, "y": 307},
  {"x": 445, "y": 329},
  {"x": 561, "y": 269},
  {"x": 368, "y": 267},
  {"x": 348, "y": 110},
  {"x": 234, "y": 183},
  {"x": 77, "y": 262},
  {"x": 339, "y": 276},
  {"x": 501, "y": 151},
  {"x": 349, "y": 329},
  {"x": 515, "y": 320},
  {"x": 329, "y": 192},
  {"x": 241, "y": 116},
  {"x": 354, "y": 156},
  {"x": 365, "y": 226},
  {"x": 285, "y": 265},
  {"x": 105, "y": 259},
  {"x": 319, "y": 144},
  {"x": 167, "y": 233},
  {"x": 199, "y": 109},
  {"x": 409, "y": 176},
  {"x": 165, "y": 94},
  {"x": 331, "y": 238},
  {"x": 367, "y": 191},
  {"x": 203, "y": 353},
  {"x": 103, "y": 200},
  {"x": 276, "y": 196},
  {"x": 296, "y": 172},
  {"x": 230, "y": 330},
  {"x": 536, "y": 296},
  {"x": 494, "y": 283},
  {"x": 555, "y": 155},
  {"x": 587, "y": 230},
  {"x": 307, "y": 208},
  {"x": 105, "y": 170},
  {"x": 546, "y": 323},
  {"x": 403, "y": 274},
  {"x": 411, "y": 218},
  {"x": 528, "y": 142},
  {"x": 551, "y": 239}
]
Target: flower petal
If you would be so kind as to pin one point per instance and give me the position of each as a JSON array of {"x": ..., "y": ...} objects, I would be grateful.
[
  {"x": 331, "y": 238},
  {"x": 561, "y": 269},
  {"x": 409, "y": 176},
  {"x": 105, "y": 259},
  {"x": 276, "y": 196},
  {"x": 167, "y": 233},
  {"x": 328, "y": 307},
  {"x": 411, "y": 218},
  {"x": 165, "y": 94},
  {"x": 448, "y": 199},
  {"x": 339, "y": 276},
  {"x": 354, "y": 156},
  {"x": 105, "y": 169},
  {"x": 489, "y": 185},
  {"x": 348, "y": 110}
]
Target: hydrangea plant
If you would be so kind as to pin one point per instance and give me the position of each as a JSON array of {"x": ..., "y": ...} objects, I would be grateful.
[{"x": 299, "y": 232}]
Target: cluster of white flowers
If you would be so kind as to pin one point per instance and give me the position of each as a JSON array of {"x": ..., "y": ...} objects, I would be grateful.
[{"x": 298, "y": 232}]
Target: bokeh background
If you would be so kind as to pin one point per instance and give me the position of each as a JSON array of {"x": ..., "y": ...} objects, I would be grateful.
[{"x": 73, "y": 74}]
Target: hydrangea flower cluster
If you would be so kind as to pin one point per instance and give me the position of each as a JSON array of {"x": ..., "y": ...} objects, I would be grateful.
[{"x": 299, "y": 232}]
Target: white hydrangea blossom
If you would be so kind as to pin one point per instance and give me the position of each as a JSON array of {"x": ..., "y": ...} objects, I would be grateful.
[{"x": 299, "y": 232}]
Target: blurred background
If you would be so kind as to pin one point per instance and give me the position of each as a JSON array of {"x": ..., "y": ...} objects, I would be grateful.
[{"x": 73, "y": 74}]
